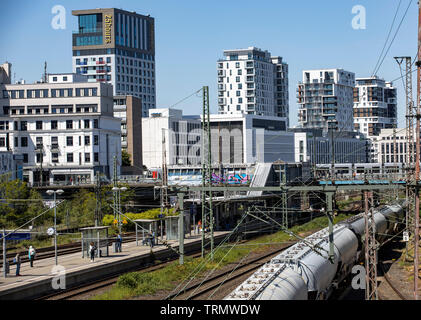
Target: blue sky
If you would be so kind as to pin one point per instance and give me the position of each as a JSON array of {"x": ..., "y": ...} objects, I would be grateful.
[{"x": 191, "y": 35}]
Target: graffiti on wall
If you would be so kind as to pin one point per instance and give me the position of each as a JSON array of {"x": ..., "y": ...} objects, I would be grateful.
[{"x": 241, "y": 178}]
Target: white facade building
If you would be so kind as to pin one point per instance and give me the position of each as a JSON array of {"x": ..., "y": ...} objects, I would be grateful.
[
  {"x": 250, "y": 81},
  {"x": 325, "y": 99},
  {"x": 66, "y": 130},
  {"x": 181, "y": 135},
  {"x": 390, "y": 150},
  {"x": 235, "y": 139}
]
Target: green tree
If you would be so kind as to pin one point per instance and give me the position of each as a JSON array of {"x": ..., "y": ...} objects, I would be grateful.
[{"x": 125, "y": 158}]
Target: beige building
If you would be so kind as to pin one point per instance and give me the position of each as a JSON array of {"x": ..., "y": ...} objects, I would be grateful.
[{"x": 129, "y": 110}]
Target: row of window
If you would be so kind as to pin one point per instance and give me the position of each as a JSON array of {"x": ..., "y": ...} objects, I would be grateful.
[
  {"x": 39, "y": 141},
  {"x": 133, "y": 62},
  {"x": 50, "y": 93},
  {"x": 69, "y": 157},
  {"x": 42, "y": 125}
]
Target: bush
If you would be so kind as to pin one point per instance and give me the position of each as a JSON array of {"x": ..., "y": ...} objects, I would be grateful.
[
  {"x": 129, "y": 280},
  {"x": 149, "y": 214}
]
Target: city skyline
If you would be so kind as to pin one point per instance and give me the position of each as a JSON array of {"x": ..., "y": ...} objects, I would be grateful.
[{"x": 319, "y": 37}]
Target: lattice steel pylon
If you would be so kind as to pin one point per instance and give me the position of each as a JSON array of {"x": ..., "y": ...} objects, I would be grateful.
[
  {"x": 207, "y": 210},
  {"x": 371, "y": 247},
  {"x": 165, "y": 205},
  {"x": 411, "y": 111}
]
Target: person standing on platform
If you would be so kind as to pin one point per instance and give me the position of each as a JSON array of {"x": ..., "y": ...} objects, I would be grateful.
[
  {"x": 17, "y": 261},
  {"x": 31, "y": 255},
  {"x": 92, "y": 249},
  {"x": 119, "y": 242}
]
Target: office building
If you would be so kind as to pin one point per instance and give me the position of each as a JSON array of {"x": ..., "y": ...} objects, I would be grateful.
[
  {"x": 315, "y": 147},
  {"x": 118, "y": 47},
  {"x": 250, "y": 81},
  {"x": 235, "y": 139},
  {"x": 64, "y": 129},
  {"x": 325, "y": 99}
]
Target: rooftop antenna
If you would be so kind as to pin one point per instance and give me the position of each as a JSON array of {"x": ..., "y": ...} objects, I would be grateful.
[{"x": 45, "y": 71}]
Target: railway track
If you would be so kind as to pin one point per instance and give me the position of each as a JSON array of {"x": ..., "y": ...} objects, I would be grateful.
[
  {"x": 92, "y": 286},
  {"x": 390, "y": 283},
  {"x": 200, "y": 289}
]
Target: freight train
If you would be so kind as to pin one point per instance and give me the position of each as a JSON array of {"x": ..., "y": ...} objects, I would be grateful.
[{"x": 304, "y": 271}]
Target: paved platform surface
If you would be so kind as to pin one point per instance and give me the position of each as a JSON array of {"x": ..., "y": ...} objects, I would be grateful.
[{"x": 43, "y": 269}]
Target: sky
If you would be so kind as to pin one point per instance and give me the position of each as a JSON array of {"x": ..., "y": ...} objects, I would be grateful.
[{"x": 191, "y": 35}]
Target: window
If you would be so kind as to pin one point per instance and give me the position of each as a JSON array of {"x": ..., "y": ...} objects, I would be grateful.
[
  {"x": 23, "y": 126},
  {"x": 16, "y": 142},
  {"x": 54, "y": 79},
  {"x": 96, "y": 140},
  {"x": 96, "y": 157},
  {"x": 237, "y": 64},
  {"x": 38, "y": 157},
  {"x": 86, "y": 124},
  {"x": 23, "y": 142},
  {"x": 237, "y": 79},
  {"x": 2, "y": 142},
  {"x": 39, "y": 125},
  {"x": 39, "y": 142},
  {"x": 87, "y": 140},
  {"x": 70, "y": 157},
  {"x": 64, "y": 78},
  {"x": 54, "y": 157},
  {"x": 69, "y": 141},
  {"x": 96, "y": 123},
  {"x": 69, "y": 124},
  {"x": 87, "y": 157},
  {"x": 53, "y": 124},
  {"x": 25, "y": 158}
]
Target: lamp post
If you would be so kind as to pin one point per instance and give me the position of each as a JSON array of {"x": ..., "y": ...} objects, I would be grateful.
[{"x": 52, "y": 192}]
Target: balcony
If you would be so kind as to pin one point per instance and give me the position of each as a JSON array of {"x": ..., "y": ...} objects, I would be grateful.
[
  {"x": 101, "y": 71},
  {"x": 221, "y": 73},
  {"x": 250, "y": 93},
  {"x": 221, "y": 87},
  {"x": 100, "y": 62},
  {"x": 54, "y": 147}
]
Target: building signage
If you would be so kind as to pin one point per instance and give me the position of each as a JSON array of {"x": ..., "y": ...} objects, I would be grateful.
[{"x": 108, "y": 22}]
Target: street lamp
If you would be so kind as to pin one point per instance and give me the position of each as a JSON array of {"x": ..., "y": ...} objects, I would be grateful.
[{"x": 52, "y": 192}]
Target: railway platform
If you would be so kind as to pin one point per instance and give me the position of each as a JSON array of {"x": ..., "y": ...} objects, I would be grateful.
[{"x": 40, "y": 280}]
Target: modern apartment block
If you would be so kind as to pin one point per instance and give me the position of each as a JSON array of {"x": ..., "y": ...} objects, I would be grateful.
[
  {"x": 250, "y": 81},
  {"x": 375, "y": 106},
  {"x": 64, "y": 129},
  {"x": 118, "y": 47},
  {"x": 325, "y": 99},
  {"x": 129, "y": 110}
]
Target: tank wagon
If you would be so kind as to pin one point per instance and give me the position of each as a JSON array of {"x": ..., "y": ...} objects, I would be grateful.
[{"x": 304, "y": 271}]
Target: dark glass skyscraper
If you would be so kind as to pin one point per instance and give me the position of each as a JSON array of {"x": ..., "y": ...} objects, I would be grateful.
[{"x": 117, "y": 46}]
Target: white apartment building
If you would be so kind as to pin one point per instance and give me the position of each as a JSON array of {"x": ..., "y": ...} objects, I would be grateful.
[
  {"x": 250, "y": 81},
  {"x": 325, "y": 99},
  {"x": 64, "y": 130},
  {"x": 116, "y": 46},
  {"x": 375, "y": 106}
]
